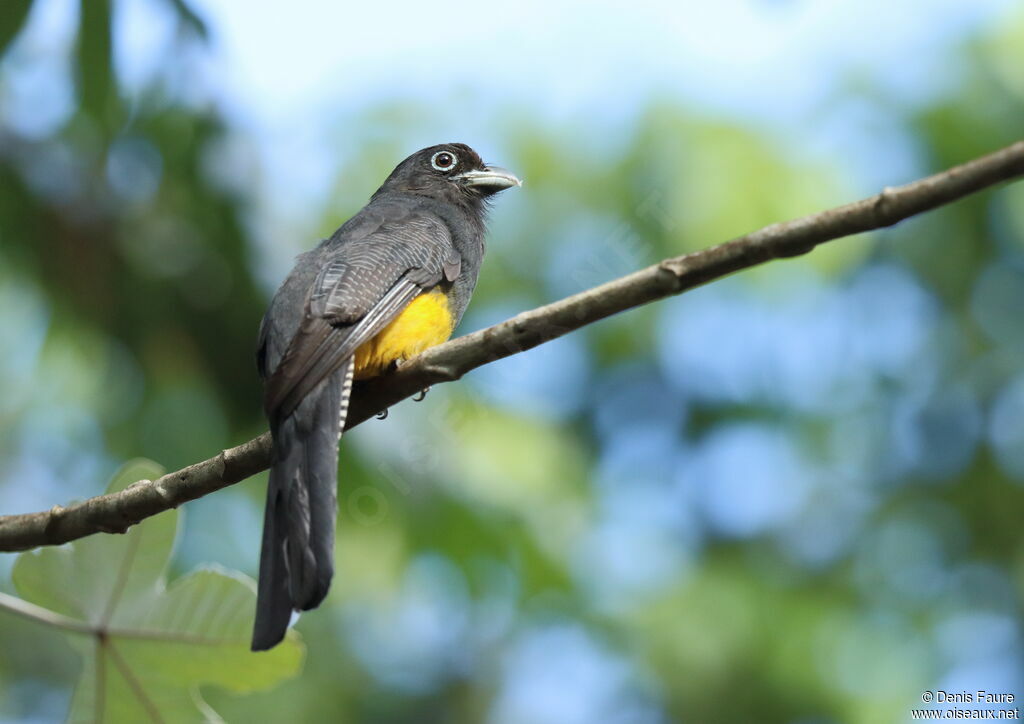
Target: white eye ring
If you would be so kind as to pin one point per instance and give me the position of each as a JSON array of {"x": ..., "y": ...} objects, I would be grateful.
[{"x": 454, "y": 163}]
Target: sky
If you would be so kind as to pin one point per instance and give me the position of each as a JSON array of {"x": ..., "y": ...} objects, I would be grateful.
[
  {"x": 775, "y": 64},
  {"x": 781, "y": 66},
  {"x": 738, "y": 56}
]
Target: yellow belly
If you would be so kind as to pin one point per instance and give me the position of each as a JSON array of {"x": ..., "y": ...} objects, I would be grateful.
[{"x": 425, "y": 322}]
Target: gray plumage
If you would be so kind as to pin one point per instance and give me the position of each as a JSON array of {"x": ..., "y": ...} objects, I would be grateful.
[{"x": 422, "y": 230}]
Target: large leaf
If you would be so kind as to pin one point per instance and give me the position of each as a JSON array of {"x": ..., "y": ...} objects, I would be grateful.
[{"x": 147, "y": 646}]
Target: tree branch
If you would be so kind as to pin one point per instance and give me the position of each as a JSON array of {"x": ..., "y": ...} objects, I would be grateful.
[{"x": 115, "y": 512}]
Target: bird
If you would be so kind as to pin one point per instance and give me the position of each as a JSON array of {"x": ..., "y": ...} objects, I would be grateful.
[{"x": 392, "y": 281}]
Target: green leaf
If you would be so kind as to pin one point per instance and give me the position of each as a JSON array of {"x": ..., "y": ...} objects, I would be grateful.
[
  {"x": 147, "y": 646},
  {"x": 13, "y": 14}
]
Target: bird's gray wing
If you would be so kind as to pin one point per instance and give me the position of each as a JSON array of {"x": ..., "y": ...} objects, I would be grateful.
[{"x": 362, "y": 285}]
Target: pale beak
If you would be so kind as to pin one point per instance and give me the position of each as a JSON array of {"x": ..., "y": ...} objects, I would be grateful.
[{"x": 490, "y": 178}]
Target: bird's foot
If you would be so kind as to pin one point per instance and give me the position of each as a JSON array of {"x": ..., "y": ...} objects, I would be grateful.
[{"x": 383, "y": 414}]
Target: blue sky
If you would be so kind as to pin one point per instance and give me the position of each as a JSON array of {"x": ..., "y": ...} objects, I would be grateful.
[
  {"x": 738, "y": 56},
  {"x": 290, "y": 74},
  {"x": 287, "y": 71},
  {"x": 783, "y": 66}
]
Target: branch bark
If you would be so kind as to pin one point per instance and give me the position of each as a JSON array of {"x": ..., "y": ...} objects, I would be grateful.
[{"x": 116, "y": 512}]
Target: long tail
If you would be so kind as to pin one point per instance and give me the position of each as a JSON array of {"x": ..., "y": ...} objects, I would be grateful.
[{"x": 297, "y": 558}]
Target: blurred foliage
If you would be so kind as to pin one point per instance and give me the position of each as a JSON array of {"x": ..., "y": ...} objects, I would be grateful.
[
  {"x": 794, "y": 495},
  {"x": 147, "y": 647}
]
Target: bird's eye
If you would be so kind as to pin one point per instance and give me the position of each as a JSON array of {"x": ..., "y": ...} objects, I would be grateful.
[{"x": 443, "y": 160}]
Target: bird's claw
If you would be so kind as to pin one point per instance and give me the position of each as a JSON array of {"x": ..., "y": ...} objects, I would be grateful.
[
  {"x": 421, "y": 395},
  {"x": 383, "y": 414}
]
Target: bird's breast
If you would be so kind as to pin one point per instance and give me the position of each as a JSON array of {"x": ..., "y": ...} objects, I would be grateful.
[{"x": 426, "y": 321}]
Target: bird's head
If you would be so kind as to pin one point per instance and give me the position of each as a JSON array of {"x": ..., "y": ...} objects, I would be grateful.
[{"x": 448, "y": 172}]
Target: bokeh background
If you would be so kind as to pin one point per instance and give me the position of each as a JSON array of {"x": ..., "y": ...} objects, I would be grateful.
[{"x": 794, "y": 495}]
